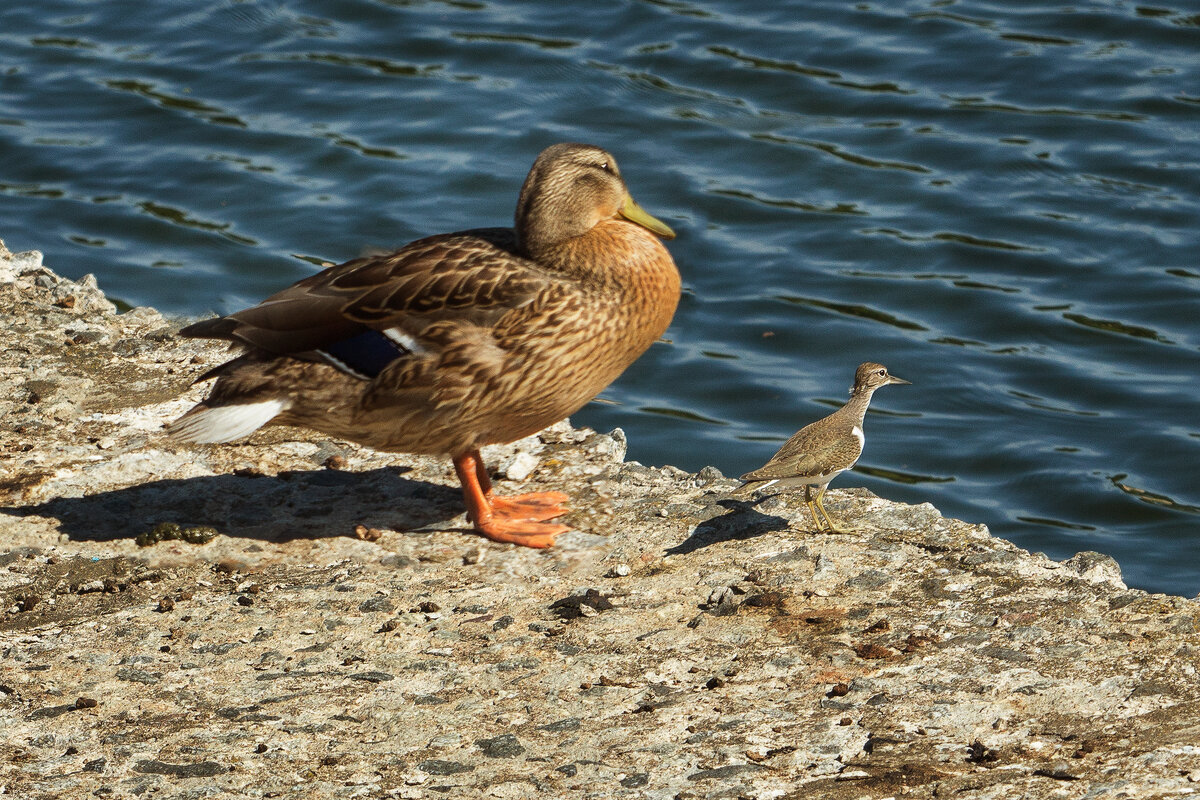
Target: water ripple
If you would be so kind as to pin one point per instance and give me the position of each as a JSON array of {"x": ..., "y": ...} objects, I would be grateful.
[
  {"x": 977, "y": 22},
  {"x": 771, "y": 63},
  {"x": 1151, "y": 498},
  {"x": 978, "y": 104},
  {"x": 63, "y": 41},
  {"x": 650, "y": 80},
  {"x": 899, "y": 476},
  {"x": 512, "y": 38},
  {"x": 946, "y": 236},
  {"x": 854, "y": 310},
  {"x": 375, "y": 64},
  {"x": 188, "y": 105},
  {"x": 1057, "y": 523},
  {"x": 798, "y": 205},
  {"x": 1116, "y": 326},
  {"x": 1034, "y": 38},
  {"x": 836, "y": 151},
  {"x": 681, "y": 414},
  {"x": 182, "y": 218}
]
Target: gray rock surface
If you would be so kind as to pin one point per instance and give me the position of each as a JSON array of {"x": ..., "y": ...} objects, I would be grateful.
[{"x": 303, "y": 618}]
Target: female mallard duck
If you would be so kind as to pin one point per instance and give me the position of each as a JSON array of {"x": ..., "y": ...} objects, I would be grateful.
[{"x": 459, "y": 340}]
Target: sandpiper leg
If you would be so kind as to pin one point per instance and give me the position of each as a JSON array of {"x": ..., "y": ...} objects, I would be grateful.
[
  {"x": 808, "y": 501},
  {"x": 821, "y": 493}
]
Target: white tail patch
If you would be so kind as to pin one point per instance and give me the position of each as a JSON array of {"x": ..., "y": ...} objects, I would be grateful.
[
  {"x": 205, "y": 424},
  {"x": 751, "y": 486}
]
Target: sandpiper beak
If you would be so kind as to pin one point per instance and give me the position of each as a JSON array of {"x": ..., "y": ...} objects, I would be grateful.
[
  {"x": 894, "y": 379},
  {"x": 634, "y": 213}
]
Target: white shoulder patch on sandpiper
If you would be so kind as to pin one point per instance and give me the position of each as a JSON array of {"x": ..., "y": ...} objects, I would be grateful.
[
  {"x": 858, "y": 434},
  {"x": 207, "y": 425},
  {"x": 404, "y": 340}
]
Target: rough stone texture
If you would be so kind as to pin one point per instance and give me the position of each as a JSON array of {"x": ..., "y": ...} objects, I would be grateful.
[{"x": 327, "y": 628}]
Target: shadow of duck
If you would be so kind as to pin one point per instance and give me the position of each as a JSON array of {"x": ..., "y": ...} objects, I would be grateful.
[{"x": 299, "y": 504}]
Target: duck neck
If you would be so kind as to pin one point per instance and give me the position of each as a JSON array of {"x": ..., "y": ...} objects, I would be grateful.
[
  {"x": 544, "y": 222},
  {"x": 537, "y": 244},
  {"x": 616, "y": 256}
]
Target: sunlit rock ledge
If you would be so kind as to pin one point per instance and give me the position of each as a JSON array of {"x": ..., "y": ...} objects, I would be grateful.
[{"x": 326, "y": 626}]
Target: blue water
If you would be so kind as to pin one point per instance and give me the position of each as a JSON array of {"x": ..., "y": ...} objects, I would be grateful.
[{"x": 1000, "y": 201}]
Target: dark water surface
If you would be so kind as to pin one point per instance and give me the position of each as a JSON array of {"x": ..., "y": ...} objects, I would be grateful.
[{"x": 998, "y": 200}]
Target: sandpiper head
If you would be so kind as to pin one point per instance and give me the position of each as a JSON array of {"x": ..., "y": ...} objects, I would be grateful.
[{"x": 870, "y": 376}]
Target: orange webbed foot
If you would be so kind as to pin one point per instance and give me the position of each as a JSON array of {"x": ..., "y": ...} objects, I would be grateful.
[
  {"x": 513, "y": 520},
  {"x": 521, "y": 531},
  {"x": 537, "y": 506}
]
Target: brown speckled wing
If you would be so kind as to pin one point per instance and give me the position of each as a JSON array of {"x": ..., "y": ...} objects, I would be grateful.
[
  {"x": 472, "y": 277},
  {"x": 824, "y": 447}
]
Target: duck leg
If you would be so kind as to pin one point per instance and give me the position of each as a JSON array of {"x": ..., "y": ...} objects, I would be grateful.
[
  {"x": 538, "y": 506},
  {"x": 507, "y": 519}
]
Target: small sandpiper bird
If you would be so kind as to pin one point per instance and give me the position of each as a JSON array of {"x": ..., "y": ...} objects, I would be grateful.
[{"x": 820, "y": 452}]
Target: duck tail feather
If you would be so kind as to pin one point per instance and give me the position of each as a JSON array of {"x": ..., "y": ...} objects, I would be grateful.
[{"x": 206, "y": 424}]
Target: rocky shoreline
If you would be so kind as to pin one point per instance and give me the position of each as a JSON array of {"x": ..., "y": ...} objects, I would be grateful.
[{"x": 298, "y": 617}]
